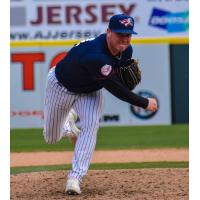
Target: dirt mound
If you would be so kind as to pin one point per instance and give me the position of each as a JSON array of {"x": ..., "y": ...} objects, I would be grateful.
[{"x": 135, "y": 184}]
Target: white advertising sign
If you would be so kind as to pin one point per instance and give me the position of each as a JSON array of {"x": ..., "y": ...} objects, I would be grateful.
[
  {"x": 58, "y": 19},
  {"x": 29, "y": 68},
  {"x": 154, "y": 62}
]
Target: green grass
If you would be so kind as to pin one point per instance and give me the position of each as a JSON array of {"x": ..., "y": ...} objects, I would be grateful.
[
  {"x": 103, "y": 166},
  {"x": 129, "y": 137}
]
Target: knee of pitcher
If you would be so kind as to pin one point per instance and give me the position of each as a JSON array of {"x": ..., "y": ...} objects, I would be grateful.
[{"x": 48, "y": 139}]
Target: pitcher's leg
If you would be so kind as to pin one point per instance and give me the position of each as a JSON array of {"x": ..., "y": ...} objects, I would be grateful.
[
  {"x": 54, "y": 118},
  {"x": 56, "y": 108},
  {"x": 89, "y": 109}
]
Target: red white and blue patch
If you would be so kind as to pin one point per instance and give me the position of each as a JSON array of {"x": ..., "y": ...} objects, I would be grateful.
[
  {"x": 127, "y": 22},
  {"x": 106, "y": 69}
]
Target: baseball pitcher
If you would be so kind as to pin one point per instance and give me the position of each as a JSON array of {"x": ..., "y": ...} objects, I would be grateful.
[{"x": 77, "y": 82}]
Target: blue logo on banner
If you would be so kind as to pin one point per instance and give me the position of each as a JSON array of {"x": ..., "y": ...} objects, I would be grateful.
[
  {"x": 140, "y": 112},
  {"x": 171, "y": 22}
]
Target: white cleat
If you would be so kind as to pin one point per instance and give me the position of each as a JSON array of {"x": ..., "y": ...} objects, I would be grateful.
[
  {"x": 72, "y": 187},
  {"x": 71, "y": 130}
]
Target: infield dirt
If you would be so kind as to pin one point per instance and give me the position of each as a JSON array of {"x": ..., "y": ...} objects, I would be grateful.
[
  {"x": 134, "y": 184},
  {"x": 114, "y": 156}
]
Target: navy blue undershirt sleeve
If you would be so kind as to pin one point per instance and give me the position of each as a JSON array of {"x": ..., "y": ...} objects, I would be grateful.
[{"x": 114, "y": 86}]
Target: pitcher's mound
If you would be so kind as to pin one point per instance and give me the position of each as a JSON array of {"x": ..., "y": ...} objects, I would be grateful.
[{"x": 133, "y": 184}]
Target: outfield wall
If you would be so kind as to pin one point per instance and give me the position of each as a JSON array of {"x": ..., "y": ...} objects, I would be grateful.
[
  {"x": 42, "y": 32},
  {"x": 30, "y": 62}
]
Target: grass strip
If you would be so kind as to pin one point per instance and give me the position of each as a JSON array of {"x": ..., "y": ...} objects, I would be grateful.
[
  {"x": 109, "y": 138},
  {"x": 102, "y": 166}
]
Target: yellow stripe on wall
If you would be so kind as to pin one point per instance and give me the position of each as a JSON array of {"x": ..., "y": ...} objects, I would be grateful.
[
  {"x": 50, "y": 43},
  {"x": 160, "y": 40}
]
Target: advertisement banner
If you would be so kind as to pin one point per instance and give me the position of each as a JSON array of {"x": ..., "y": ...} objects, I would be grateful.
[
  {"x": 29, "y": 68},
  {"x": 58, "y": 19}
]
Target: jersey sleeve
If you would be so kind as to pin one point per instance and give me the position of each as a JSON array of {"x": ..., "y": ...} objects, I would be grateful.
[{"x": 115, "y": 87}]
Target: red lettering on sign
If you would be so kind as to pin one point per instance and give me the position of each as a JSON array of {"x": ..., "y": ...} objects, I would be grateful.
[
  {"x": 28, "y": 60},
  {"x": 79, "y": 14},
  {"x": 27, "y": 113},
  {"x": 57, "y": 58},
  {"x": 107, "y": 12},
  {"x": 73, "y": 12},
  {"x": 52, "y": 13},
  {"x": 13, "y": 113},
  {"x": 128, "y": 10},
  {"x": 39, "y": 19},
  {"x": 91, "y": 13}
]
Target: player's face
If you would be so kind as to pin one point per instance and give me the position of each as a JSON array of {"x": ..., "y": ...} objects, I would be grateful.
[{"x": 118, "y": 42}]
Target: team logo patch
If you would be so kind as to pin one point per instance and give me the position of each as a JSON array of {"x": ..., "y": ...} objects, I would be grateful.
[
  {"x": 106, "y": 69},
  {"x": 127, "y": 22}
]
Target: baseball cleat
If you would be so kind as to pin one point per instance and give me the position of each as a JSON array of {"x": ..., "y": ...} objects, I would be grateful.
[
  {"x": 72, "y": 187},
  {"x": 71, "y": 130}
]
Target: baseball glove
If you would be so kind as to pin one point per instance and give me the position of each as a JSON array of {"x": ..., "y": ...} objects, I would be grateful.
[{"x": 130, "y": 75}]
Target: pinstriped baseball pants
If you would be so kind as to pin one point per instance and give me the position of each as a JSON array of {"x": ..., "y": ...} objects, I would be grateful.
[{"x": 58, "y": 102}]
